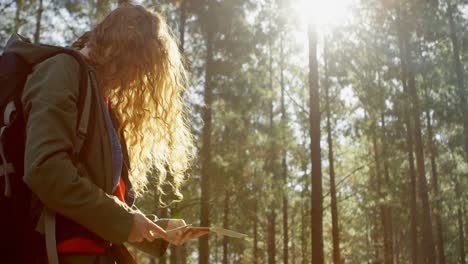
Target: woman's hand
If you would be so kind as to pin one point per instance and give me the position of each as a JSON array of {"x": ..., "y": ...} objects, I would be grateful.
[
  {"x": 175, "y": 223},
  {"x": 184, "y": 235},
  {"x": 143, "y": 228}
]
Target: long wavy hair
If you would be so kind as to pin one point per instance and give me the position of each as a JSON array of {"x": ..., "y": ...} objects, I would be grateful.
[{"x": 142, "y": 73}]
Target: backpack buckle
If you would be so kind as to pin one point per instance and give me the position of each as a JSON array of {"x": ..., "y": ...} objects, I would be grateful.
[{"x": 10, "y": 108}]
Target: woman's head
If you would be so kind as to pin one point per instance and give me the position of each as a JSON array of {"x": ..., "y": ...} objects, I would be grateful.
[{"x": 141, "y": 71}]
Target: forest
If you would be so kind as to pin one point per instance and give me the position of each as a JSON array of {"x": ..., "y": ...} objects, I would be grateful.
[{"x": 327, "y": 131}]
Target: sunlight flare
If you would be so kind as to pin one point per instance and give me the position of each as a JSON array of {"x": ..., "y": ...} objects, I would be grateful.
[{"x": 323, "y": 13}]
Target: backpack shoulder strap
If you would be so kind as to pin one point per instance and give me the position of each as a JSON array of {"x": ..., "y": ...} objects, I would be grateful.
[{"x": 87, "y": 82}]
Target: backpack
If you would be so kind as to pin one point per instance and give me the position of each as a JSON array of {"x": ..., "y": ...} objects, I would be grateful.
[{"x": 19, "y": 242}]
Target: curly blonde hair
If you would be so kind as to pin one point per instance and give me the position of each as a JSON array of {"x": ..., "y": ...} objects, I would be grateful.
[{"x": 140, "y": 69}]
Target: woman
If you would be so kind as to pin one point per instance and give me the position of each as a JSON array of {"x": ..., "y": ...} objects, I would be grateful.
[{"x": 140, "y": 75}]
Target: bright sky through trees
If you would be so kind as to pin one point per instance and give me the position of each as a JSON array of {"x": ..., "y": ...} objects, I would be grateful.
[
  {"x": 326, "y": 15},
  {"x": 323, "y": 13}
]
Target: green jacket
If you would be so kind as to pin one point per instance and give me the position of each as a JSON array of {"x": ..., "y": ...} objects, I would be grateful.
[{"x": 79, "y": 192}]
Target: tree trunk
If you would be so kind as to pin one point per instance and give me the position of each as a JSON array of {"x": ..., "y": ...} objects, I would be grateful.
[
  {"x": 460, "y": 213},
  {"x": 163, "y": 213},
  {"x": 226, "y": 226},
  {"x": 408, "y": 80},
  {"x": 285, "y": 214},
  {"x": 173, "y": 259},
  {"x": 397, "y": 241},
  {"x": 315, "y": 157},
  {"x": 381, "y": 206},
  {"x": 293, "y": 240},
  {"x": 334, "y": 206},
  {"x": 216, "y": 258},
  {"x": 461, "y": 235},
  {"x": 37, "y": 33},
  {"x": 284, "y": 168},
  {"x": 19, "y": 7},
  {"x": 272, "y": 213},
  {"x": 255, "y": 233},
  {"x": 462, "y": 93},
  {"x": 102, "y": 8},
  {"x": 412, "y": 193},
  {"x": 183, "y": 20},
  {"x": 183, "y": 258},
  {"x": 427, "y": 237},
  {"x": 375, "y": 236},
  {"x": 388, "y": 228},
  {"x": 271, "y": 236},
  {"x": 435, "y": 186},
  {"x": 205, "y": 152},
  {"x": 304, "y": 211},
  {"x": 368, "y": 240}
]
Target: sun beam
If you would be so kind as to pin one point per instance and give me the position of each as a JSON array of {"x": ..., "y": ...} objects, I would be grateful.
[{"x": 323, "y": 13}]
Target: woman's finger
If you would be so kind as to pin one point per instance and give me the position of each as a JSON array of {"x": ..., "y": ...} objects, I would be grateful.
[
  {"x": 156, "y": 230},
  {"x": 149, "y": 235}
]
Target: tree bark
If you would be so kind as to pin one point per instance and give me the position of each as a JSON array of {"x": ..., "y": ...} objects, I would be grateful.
[
  {"x": 368, "y": 240},
  {"x": 271, "y": 236},
  {"x": 375, "y": 235},
  {"x": 183, "y": 254},
  {"x": 462, "y": 93},
  {"x": 304, "y": 210},
  {"x": 381, "y": 206},
  {"x": 428, "y": 240},
  {"x": 385, "y": 183},
  {"x": 37, "y": 33},
  {"x": 293, "y": 242},
  {"x": 334, "y": 206},
  {"x": 461, "y": 235},
  {"x": 435, "y": 186},
  {"x": 284, "y": 168},
  {"x": 409, "y": 142},
  {"x": 203, "y": 245},
  {"x": 315, "y": 156},
  {"x": 102, "y": 8},
  {"x": 412, "y": 193},
  {"x": 255, "y": 235},
  {"x": 460, "y": 214},
  {"x": 427, "y": 237},
  {"x": 173, "y": 258},
  {"x": 163, "y": 213},
  {"x": 226, "y": 226},
  {"x": 19, "y": 7},
  {"x": 183, "y": 20}
]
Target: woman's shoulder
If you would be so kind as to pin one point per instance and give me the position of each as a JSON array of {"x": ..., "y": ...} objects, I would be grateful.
[
  {"x": 60, "y": 65},
  {"x": 59, "y": 74}
]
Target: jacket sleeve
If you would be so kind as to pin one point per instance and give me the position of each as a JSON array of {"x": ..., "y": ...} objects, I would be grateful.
[
  {"x": 50, "y": 111},
  {"x": 157, "y": 247}
]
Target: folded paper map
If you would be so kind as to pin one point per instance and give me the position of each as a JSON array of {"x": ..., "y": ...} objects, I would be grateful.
[{"x": 216, "y": 230}]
